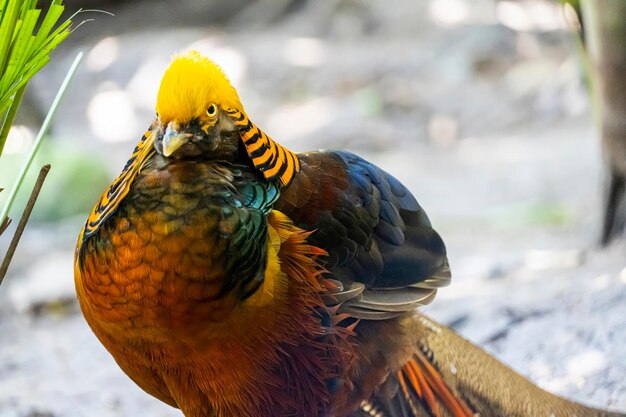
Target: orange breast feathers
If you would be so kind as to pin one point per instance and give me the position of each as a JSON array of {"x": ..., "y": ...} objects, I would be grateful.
[{"x": 164, "y": 338}]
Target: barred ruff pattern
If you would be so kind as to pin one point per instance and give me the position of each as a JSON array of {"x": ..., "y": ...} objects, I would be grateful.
[
  {"x": 113, "y": 196},
  {"x": 272, "y": 159}
]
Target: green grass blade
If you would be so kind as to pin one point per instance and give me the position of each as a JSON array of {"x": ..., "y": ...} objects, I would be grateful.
[
  {"x": 10, "y": 116},
  {"x": 44, "y": 128},
  {"x": 63, "y": 30},
  {"x": 7, "y": 30},
  {"x": 20, "y": 50},
  {"x": 3, "y": 8},
  {"x": 51, "y": 18},
  {"x": 23, "y": 53},
  {"x": 27, "y": 5},
  {"x": 21, "y": 82}
]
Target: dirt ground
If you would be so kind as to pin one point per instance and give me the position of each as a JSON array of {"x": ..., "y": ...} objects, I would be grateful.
[{"x": 479, "y": 108}]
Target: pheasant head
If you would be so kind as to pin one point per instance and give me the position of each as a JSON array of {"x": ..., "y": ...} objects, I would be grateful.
[{"x": 200, "y": 115}]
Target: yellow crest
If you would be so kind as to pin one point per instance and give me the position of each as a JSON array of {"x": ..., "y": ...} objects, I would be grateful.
[{"x": 192, "y": 83}]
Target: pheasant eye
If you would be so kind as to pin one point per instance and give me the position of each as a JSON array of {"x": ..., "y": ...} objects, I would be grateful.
[{"x": 212, "y": 110}]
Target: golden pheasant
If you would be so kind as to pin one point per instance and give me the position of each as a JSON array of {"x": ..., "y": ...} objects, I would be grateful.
[{"x": 231, "y": 277}]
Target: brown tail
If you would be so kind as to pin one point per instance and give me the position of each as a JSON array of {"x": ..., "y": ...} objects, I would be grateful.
[
  {"x": 451, "y": 377},
  {"x": 465, "y": 379}
]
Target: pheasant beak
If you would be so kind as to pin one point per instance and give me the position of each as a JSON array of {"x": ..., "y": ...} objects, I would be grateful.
[{"x": 173, "y": 139}]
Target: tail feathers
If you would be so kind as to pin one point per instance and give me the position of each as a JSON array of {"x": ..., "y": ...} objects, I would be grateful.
[{"x": 423, "y": 387}]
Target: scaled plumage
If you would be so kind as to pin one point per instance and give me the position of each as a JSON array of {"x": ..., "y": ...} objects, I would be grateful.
[{"x": 231, "y": 277}]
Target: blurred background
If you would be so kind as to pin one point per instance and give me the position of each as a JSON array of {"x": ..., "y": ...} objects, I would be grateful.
[{"x": 479, "y": 106}]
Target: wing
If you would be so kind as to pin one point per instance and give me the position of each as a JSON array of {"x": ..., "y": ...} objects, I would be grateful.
[{"x": 376, "y": 234}]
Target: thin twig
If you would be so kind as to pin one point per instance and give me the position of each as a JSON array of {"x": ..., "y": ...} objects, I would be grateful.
[
  {"x": 4, "y": 225},
  {"x": 22, "y": 224}
]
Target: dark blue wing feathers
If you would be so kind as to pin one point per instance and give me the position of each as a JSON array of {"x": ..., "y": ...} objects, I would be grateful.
[{"x": 371, "y": 225}]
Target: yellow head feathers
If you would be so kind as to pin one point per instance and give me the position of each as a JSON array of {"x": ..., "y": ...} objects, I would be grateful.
[{"x": 190, "y": 85}]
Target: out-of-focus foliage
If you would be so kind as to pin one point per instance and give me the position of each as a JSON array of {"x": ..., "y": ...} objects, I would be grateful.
[
  {"x": 25, "y": 46},
  {"x": 23, "y": 52},
  {"x": 73, "y": 170},
  {"x": 575, "y": 5}
]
